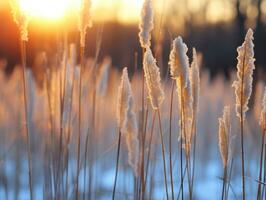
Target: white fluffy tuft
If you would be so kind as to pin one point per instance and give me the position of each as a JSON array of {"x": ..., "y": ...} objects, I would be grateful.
[
  {"x": 179, "y": 63},
  {"x": 21, "y": 19},
  {"x": 84, "y": 20},
  {"x": 224, "y": 134},
  {"x": 245, "y": 68},
  {"x": 146, "y": 24},
  {"x": 153, "y": 80}
]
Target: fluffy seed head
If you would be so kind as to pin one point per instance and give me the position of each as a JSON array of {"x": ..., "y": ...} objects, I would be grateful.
[
  {"x": 146, "y": 24},
  {"x": 245, "y": 67},
  {"x": 130, "y": 129},
  {"x": 194, "y": 78},
  {"x": 179, "y": 62},
  {"x": 84, "y": 20},
  {"x": 187, "y": 94},
  {"x": 127, "y": 121},
  {"x": 124, "y": 95},
  {"x": 188, "y": 100},
  {"x": 21, "y": 19},
  {"x": 224, "y": 133},
  {"x": 153, "y": 80}
]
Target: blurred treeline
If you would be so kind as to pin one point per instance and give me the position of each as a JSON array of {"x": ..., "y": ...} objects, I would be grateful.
[{"x": 214, "y": 31}]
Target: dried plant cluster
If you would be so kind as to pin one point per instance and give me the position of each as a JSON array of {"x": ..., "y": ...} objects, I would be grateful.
[{"x": 75, "y": 105}]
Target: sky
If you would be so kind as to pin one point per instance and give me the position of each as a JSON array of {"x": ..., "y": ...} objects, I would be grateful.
[
  {"x": 52, "y": 10},
  {"x": 128, "y": 11}
]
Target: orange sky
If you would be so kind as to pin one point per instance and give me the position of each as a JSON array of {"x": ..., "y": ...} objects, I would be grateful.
[
  {"x": 106, "y": 10},
  {"x": 126, "y": 11}
]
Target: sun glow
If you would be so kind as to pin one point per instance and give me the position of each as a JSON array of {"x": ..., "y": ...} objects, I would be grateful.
[
  {"x": 51, "y": 10},
  {"x": 125, "y": 11},
  {"x": 48, "y": 9}
]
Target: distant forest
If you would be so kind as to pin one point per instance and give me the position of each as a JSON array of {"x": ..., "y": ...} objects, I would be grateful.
[{"x": 217, "y": 42}]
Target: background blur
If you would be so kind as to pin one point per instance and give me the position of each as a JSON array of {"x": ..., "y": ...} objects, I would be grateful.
[{"x": 214, "y": 27}]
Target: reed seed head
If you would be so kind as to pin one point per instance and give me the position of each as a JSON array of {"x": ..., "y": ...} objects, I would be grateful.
[
  {"x": 224, "y": 134},
  {"x": 146, "y": 24},
  {"x": 124, "y": 94},
  {"x": 245, "y": 68},
  {"x": 130, "y": 130},
  {"x": 84, "y": 20},
  {"x": 153, "y": 80},
  {"x": 179, "y": 62},
  {"x": 21, "y": 18}
]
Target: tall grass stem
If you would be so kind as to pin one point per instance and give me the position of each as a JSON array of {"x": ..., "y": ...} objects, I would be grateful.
[{"x": 23, "y": 59}]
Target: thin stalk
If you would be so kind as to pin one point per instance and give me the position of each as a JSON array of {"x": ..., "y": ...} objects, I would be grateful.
[
  {"x": 170, "y": 140},
  {"x": 61, "y": 106},
  {"x": 187, "y": 151},
  {"x": 138, "y": 189},
  {"x": 181, "y": 152},
  {"x": 50, "y": 110},
  {"x": 91, "y": 136},
  {"x": 18, "y": 162},
  {"x": 188, "y": 168},
  {"x": 48, "y": 180},
  {"x": 261, "y": 165},
  {"x": 141, "y": 155},
  {"x": 143, "y": 140},
  {"x": 229, "y": 178},
  {"x": 152, "y": 182},
  {"x": 51, "y": 131},
  {"x": 94, "y": 101},
  {"x": 142, "y": 134},
  {"x": 69, "y": 132},
  {"x": 149, "y": 151},
  {"x": 224, "y": 183},
  {"x": 23, "y": 58},
  {"x": 67, "y": 173},
  {"x": 60, "y": 126},
  {"x": 65, "y": 36},
  {"x": 143, "y": 148},
  {"x": 193, "y": 157},
  {"x": 189, "y": 176},
  {"x": 163, "y": 152},
  {"x": 63, "y": 76},
  {"x": 85, "y": 164},
  {"x": 242, "y": 156},
  {"x": 194, "y": 132},
  {"x": 145, "y": 125},
  {"x": 79, "y": 118},
  {"x": 183, "y": 125},
  {"x": 184, "y": 133},
  {"x": 264, "y": 179},
  {"x": 47, "y": 87},
  {"x": 183, "y": 175},
  {"x": 117, "y": 162},
  {"x": 135, "y": 190}
]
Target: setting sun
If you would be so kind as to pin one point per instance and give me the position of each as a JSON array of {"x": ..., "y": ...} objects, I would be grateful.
[
  {"x": 53, "y": 10},
  {"x": 48, "y": 9}
]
